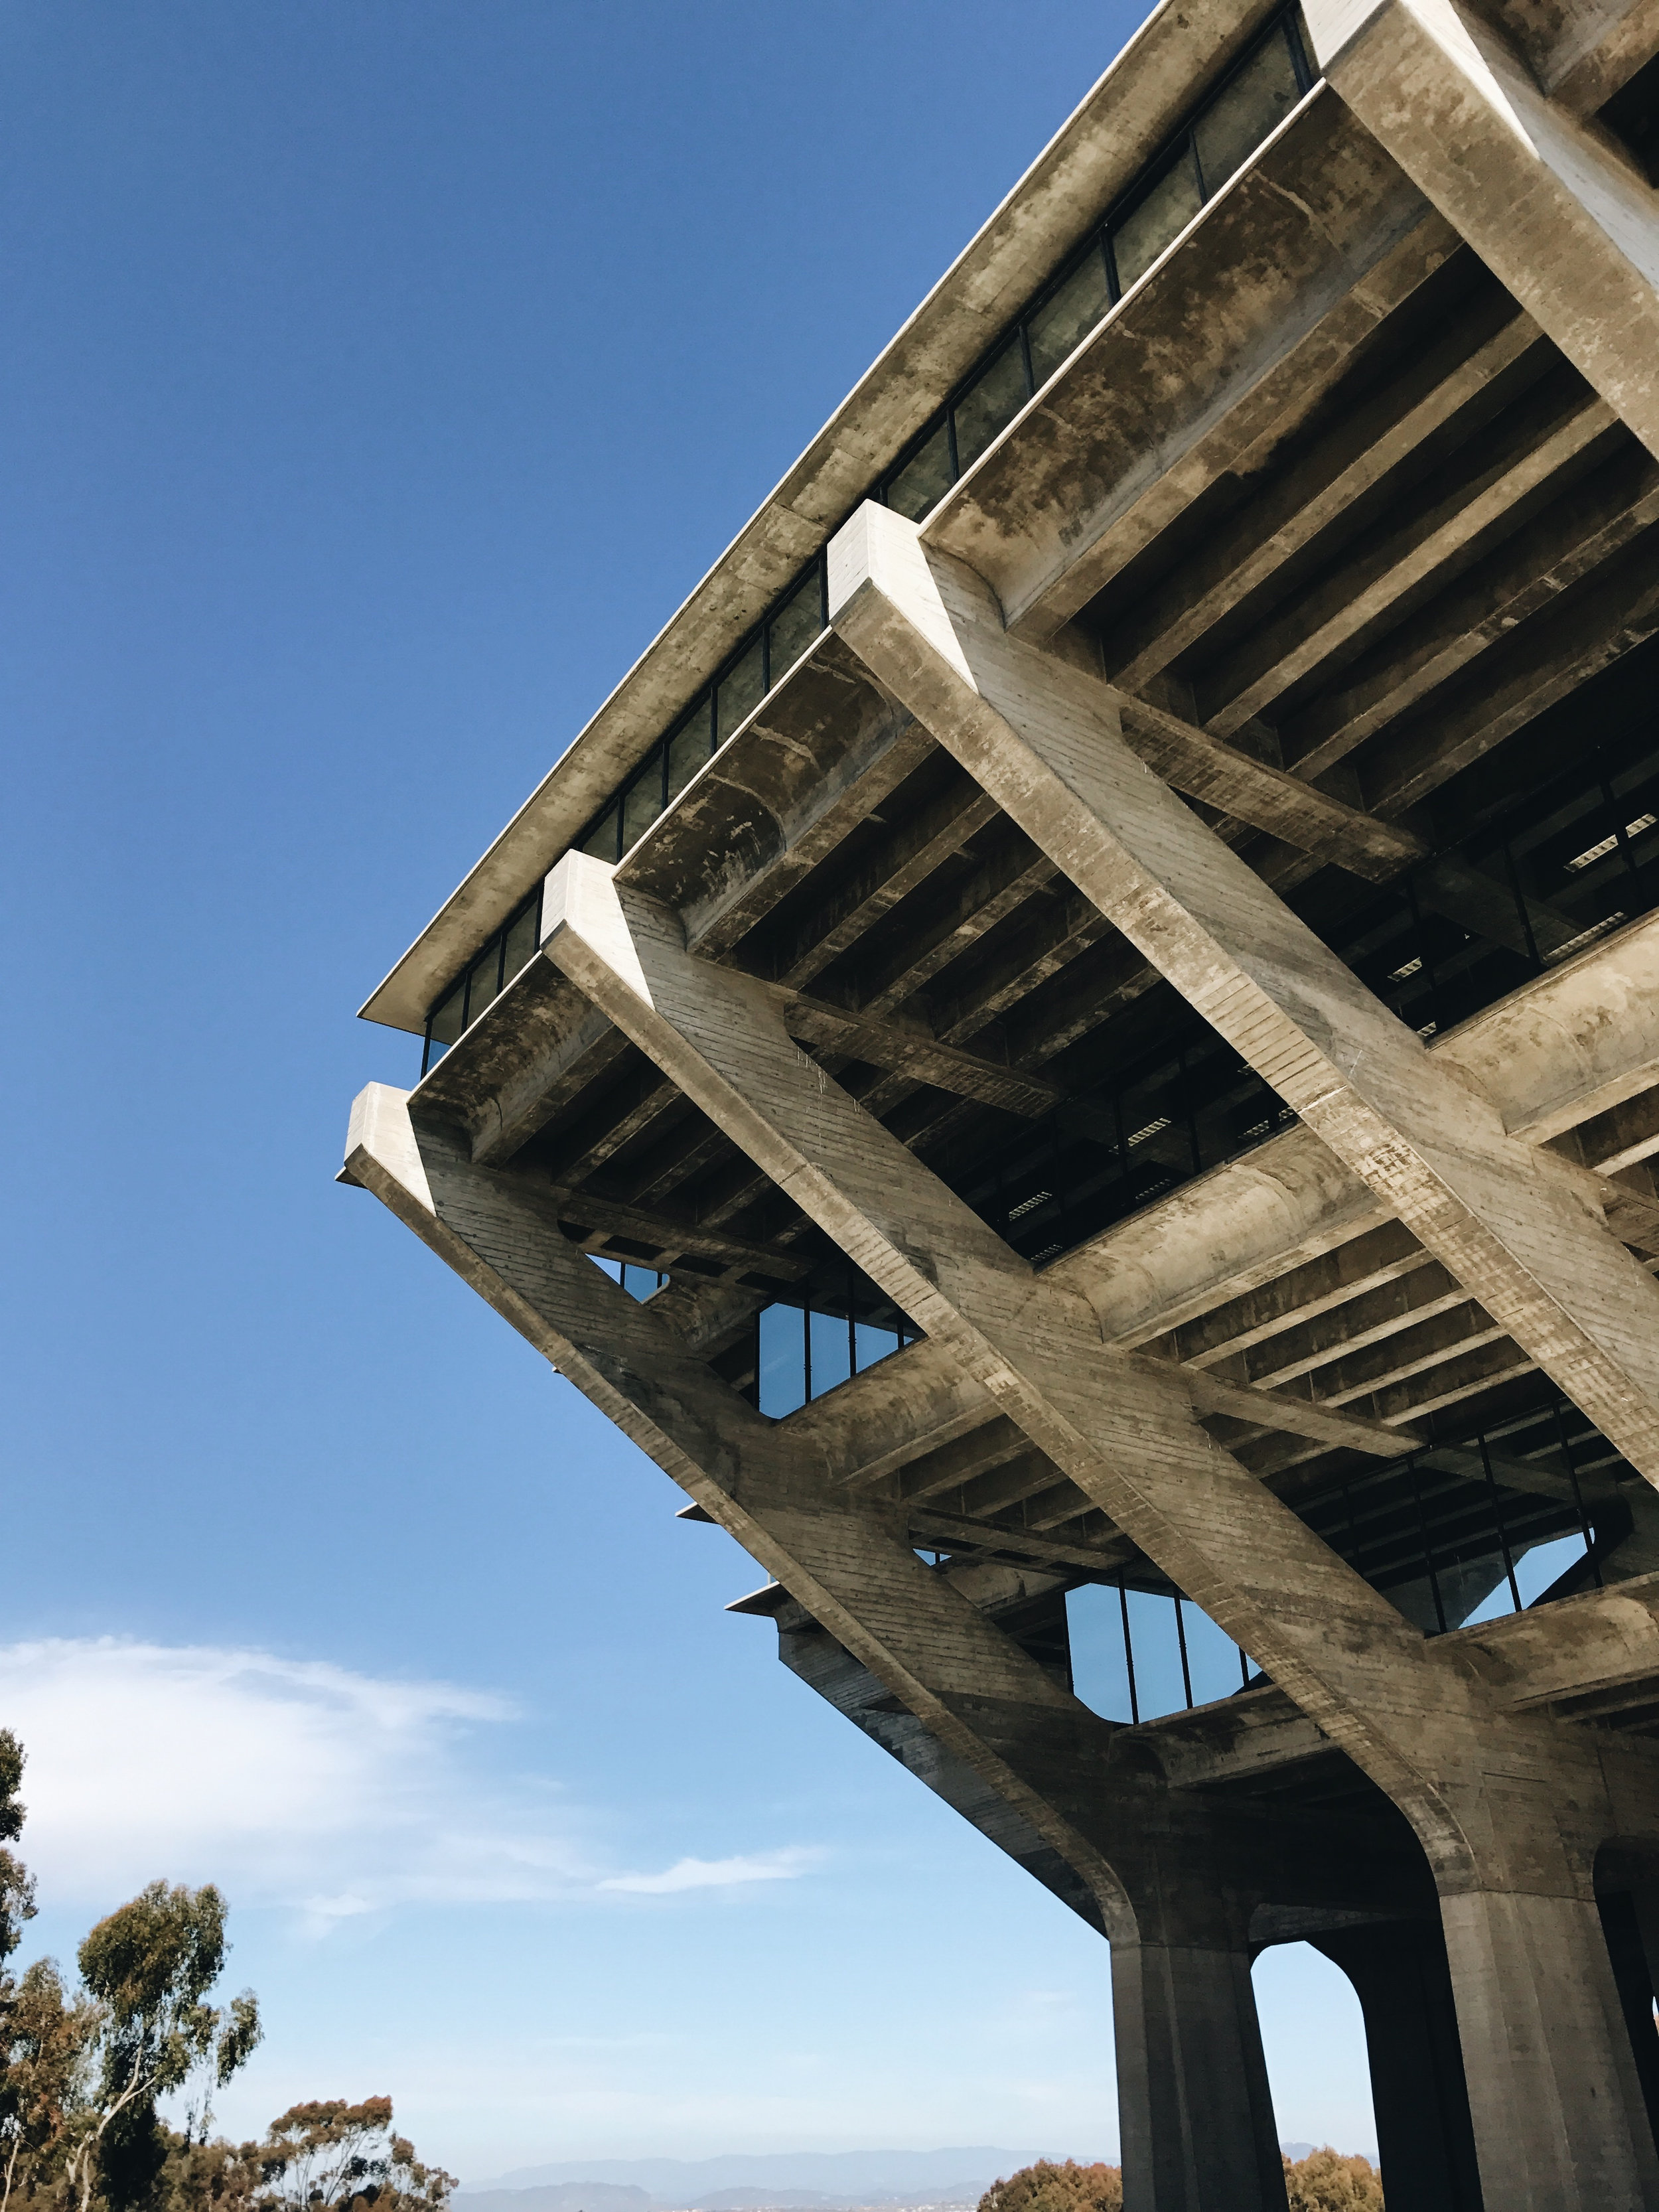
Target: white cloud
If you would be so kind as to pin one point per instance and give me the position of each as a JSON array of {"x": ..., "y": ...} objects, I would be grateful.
[
  {"x": 717, "y": 1873},
  {"x": 291, "y": 1783}
]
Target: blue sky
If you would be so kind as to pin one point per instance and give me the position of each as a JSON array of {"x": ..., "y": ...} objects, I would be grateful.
[{"x": 379, "y": 375}]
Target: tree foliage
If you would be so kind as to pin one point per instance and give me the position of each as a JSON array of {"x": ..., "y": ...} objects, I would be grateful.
[
  {"x": 81, "y": 2070},
  {"x": 1325, "y": 2181},
  {"x": 1049, "y": 2187},
  {"x": 147, "y": 1970},
  {"x": 329, "y": 2156},
  {"x": 1322, "y": 2182},
  {"x": 16, "y": 1889}
]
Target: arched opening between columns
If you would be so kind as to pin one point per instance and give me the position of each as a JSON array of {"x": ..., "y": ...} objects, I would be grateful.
[
  {"x": 1627, "y": 1899},
  {"x": 1400, "y": 2065}
]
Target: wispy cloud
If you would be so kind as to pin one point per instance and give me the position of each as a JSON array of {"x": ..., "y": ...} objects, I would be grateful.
[
  {"x": 718, "y": 1874},
  {"x": 294, "y": 1783}
]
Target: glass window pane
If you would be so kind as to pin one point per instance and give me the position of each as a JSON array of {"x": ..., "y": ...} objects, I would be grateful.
[
  {"x": 1061, "y": 323},
  {"x": 521, "y": 940},
  {"x": 924, "y": 479},
  {"x": 447, "y": 1021},
  {"x": 603, "y": 843},
  {"x": 993, "y": 402},
  {"x": 480, "y": 981},
  {"x": 831, "y": 1352},
  {"x": 1211, "y": 1655},
  {"x": 873, "y": 1343},
  {"x": 1172, "y": 202},
  {"x": 1262, "y": 94},
  {"x": 740, "y": 694},
  {"x": 643, "y": 803},
  {"x": 782, "y": 1360},
  {"x": 1156, "y": 1648},
  {"x": 796, "y": 626},
  {"x": 690, "y": 747}
]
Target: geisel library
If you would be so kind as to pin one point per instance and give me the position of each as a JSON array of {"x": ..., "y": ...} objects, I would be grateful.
[{"x": 1081, "y": 1034}]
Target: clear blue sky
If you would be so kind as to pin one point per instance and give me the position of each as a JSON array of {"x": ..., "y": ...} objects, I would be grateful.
[{"x": 378, "y": 374}]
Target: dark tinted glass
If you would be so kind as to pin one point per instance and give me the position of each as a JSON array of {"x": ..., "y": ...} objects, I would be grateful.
[
  {"x": 643, "y": 803},
  {"x": 482, "y": 981},
  {"x": 992, "y": 403},
  {"x": 1262, "y": 94},
  {"x": 924, "y": 479},
  {"x": 796, "y": 626},
  {"x": 521, "y": 940},
  {"x": 447, "y": 1021},
  {"x": 689, "y": 748},
  {"x": 1063, "y": 321},
  {"x": 740, "y": 693},
  {"x": 1141, "y": 236},
  {"x": 603, "y": 843}
]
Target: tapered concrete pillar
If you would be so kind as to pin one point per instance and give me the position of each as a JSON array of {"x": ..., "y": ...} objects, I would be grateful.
[
  {"x": 1194, "y": 2112},
  {"x": 1557, "y": 2102},
  {"x": 1506, "y": 1807},
  {"x": 1424, "y": 2136}
]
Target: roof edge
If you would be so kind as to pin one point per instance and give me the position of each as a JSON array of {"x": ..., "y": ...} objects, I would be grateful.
[{"x": 1120, "y": 123}]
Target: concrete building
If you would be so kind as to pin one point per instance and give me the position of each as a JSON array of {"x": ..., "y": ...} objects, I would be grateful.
[{"x": 1103, "y": 975}]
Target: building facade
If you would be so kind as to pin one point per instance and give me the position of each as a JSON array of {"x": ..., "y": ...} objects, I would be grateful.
[{"x": 1095, "y": 997}]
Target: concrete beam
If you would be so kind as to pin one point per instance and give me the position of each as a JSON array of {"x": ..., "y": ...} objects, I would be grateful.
[
  {"x": 1467, "y": 497},
  {"x": 1550, "y": 206},
  {"x": 1581, "y": 51},
  {"x": 839, "y": 1554},
  {"x": 1581, "y": 530},
  {"x": 1124, "y": 1432},
  {"x": 1522, "y": 1237},
  {"x": 1476, "y": 361},
  {"x": 1191, "y": 2081},
  {"x": 1121, "y": 1429},
  {"x": 1200, "y": 370}
]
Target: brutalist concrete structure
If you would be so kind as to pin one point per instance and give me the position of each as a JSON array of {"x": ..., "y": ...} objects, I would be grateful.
[{"x": 1103, "y": 974}]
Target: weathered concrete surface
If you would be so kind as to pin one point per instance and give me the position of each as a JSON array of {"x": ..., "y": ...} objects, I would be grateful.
[
  {"x": 1118, "y": 125},
  {"x": 1521, "y": 1236},
  {"x": 1497, "y": 1817},
  {"x": 1171, "y": 1880},
  {"x": 1550, "y": 206},
  {"x": 1581, "y": 51}
]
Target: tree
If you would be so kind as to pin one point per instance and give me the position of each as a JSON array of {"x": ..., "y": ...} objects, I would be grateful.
[
  {"x": 1325, "y": 2181},
  {"x": 16, "y": 1887},
  {"x": 1050, "y": 2187},
  {"x": 330, "y": 2156},
  {"x": 44, "y": 2041},
  {"x": 147, "y": 1970}
]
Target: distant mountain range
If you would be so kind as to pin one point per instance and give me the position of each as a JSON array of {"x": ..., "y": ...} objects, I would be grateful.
[
  {"x": 802, "y": 2181},
  {"x": 791, "y": 2181}
]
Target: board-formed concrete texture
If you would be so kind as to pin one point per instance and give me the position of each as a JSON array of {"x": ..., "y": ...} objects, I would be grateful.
[{"x": 1094, "y": 999}]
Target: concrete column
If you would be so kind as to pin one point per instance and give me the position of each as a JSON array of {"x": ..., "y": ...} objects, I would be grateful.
[
  {"x": 1508, "y": 1809},
  {"x": 1518, "y": 1228},
  {"x": 1531, "y": 1974},
  {"x": 1550, "y": 206},
  {"x": 1195, "y": 2110},
  {"x": 1197, "y": 2116},
  {"x": 1424, "y": 2136}
]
